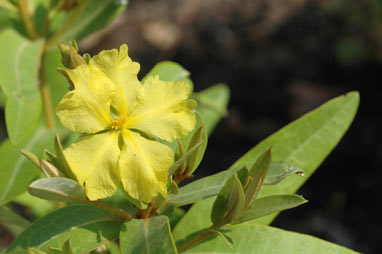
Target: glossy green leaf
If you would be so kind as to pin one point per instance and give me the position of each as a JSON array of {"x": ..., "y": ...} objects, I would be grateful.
[
  {"x": 258, "y": 239},
  {"x": 86, "y": 226},
  {"x": 152, "y": 235},
  {"x": 212, "y": 104},
  {"x": 17, "y": 171},
  {"x": 95, "y": 15},
  {"x": 169, "y": 71},
  {"x": 22, "y": 112},
  {"x": 278, "y": 171},
  {"x": 304, "y": 143},
  {"x": 270, "y": 204},
  {"x": 12, "y": 221},
  {"x": 56, "y": 188}
]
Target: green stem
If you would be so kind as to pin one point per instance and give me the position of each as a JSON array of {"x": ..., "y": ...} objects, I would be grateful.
[
  {"x": 54, "y": 39},
  {"x": 27, "y": 18},
  {"x": 111, "y": 209},
  {"x": 45, "y": 94}
]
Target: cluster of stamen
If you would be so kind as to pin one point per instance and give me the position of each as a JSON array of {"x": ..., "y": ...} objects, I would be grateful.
[{"x": 119, "y": 122}]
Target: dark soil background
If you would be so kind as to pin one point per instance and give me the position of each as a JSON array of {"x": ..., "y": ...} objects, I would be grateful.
[{"x": 280, "y": 59}]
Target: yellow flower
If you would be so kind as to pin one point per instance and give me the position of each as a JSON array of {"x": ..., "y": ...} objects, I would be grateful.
[{"x": 121, "y": 117}]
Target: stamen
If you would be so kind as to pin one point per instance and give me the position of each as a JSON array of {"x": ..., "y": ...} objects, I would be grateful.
[{"x": 119, "y": 122}]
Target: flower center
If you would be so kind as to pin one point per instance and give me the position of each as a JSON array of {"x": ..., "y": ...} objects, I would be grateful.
[{"x": 119, "y": 122}]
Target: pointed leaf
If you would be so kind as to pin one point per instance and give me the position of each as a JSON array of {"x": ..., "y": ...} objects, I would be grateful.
[
  {"x": 270, "y": 204},
  {"x": 183, "y": 158},
  {"x": 194, "y": 160},
  {"x": 256, "y": 176},
  {"x": 198, "y": 134},
  {"x": 229, "y": 203},
  {"x": 56, "y": 188},
  {"x": 212, "y": 104},
  {"x": 152, "y": 235},
  {"x": 62, "y": 162},
  {"x": 203, "y": 188},
  {"x": 278, "y": 171},
  {"x": 253, "y": 238},
  {"x": 67, "y": 247},
  {"x": 12, "y": 221},
  {"x": 31, "y": 156},
  {"x": 17, "y": 171},
  {"x": 86, "y": 226}
]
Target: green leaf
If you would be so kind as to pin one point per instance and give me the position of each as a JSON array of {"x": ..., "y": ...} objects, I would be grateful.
[
  {"x": 169, "y": 71},
  {"x": 278, "y": 171},
  {"x": 86, "y": 226},
  {"x": 200, "y": 189},
  {"x": 19, "y": 63},
  {"x": 256, "y": 177},
  {"x": 96, "y": 15},
  {"x": 22, "y": 112},
  {"x": 270, "y": 204},
  {"x": 197, "y": 135},
  {"x": 304, "y": 143},
  {"x": 257, "y": 239},
  {"x": 152, "y": 235},
  {"x": 212, "y": 104},
  {"x": 17, "y": 171},
  {"x": 19, "y": 67},
  {"x": 184, "y": 158},
  {"x": 56, "y": 188},
  {"x": 12, "y": 221},
  {"x": 62, "y": 162},
  {"x": 229, "y": 203}
]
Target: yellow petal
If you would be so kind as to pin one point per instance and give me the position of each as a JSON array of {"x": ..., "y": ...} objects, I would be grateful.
[
  {"x": 87, "y": 108},
  {"x": 93, "y": 160},
  {"x": 163, "y": 110},
  {"x": 122, "y": 71},
  {"x": 143, "y": 166}
]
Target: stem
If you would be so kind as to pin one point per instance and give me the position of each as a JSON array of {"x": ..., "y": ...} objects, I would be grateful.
[
  {"x": 111, "y": 209},
  {"x": 45, "y": 94},
  {"x": 204, "y": 235},
  {"x": 54, "y": 39},
  {"x": 27, "y": 18}
]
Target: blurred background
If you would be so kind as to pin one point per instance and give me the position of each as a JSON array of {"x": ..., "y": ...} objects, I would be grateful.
[{"x": 281, "y": 59}]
